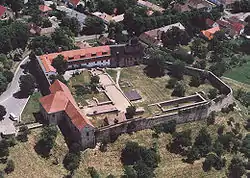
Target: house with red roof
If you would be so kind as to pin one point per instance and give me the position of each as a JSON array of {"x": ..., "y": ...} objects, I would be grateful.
[
  {"x": 3, "y": 13},
  {"x": 44, "y": 9},
  {"x": 73, "y": 3},
  {"x": 60, "y": 108},
  {"x": 209, "y": 33},
  {"x": 231, "y": 27}
]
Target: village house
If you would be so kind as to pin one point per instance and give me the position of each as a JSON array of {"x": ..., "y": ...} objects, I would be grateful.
[
  {"x": 153, "y": 37},
  {"x": 60, "y": 108},
  {"x": 209, "y": 33},
  {"x": 73, "y": 13},
  {"x": 44, "y": 9},
  {"x": 150, "y": 6},
  {"x": 193, "y": 4},
  {"x": 108, "y": 18},
  {"x": 233, "y": 27},
  {"x": 3, "y": 13}
]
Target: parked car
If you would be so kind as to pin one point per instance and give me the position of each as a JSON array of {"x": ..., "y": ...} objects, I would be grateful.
[{"x": 13, "y": 117}]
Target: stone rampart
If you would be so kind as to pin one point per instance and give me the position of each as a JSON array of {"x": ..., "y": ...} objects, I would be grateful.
[{"x": 187, "y": 114}]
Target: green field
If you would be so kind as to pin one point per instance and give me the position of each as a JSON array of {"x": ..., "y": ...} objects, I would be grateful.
[
  {"x": 241, "y": 73},
  {"x": 31, "y": 108}
]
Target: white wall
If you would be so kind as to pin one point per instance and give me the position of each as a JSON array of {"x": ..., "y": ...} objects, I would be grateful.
[{"x": 101, "y": 63}]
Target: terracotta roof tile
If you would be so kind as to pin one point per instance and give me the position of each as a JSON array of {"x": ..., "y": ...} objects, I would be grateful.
[
  {"x": 209, "y": 32},
  {"x": 2, "y": 10},
  {"x": 74, "y": 2},
  {"x": 61, "y": 99},
  {"x": 55, "y": 102},
  {"x": 44, "y": 8},
  {"x": 79, "y": 54}
]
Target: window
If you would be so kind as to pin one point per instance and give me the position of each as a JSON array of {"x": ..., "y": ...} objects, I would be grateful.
[
  {"x": 95, "y": 62},
  {"x": 93, "y": 54},
  {"x": 70, "y": 58},
  {"x": 104, "y": 53},
  {"x": 83, "y": 56},
  {"x": 87, "y": 133}
]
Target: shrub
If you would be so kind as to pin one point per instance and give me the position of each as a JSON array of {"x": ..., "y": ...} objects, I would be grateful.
[
  {"x": 130, "y": 112},
  {"x": 211, "y": 118},
  {"x": 71, "y": 161},
  {"x": 212, "y": 93},
  {"x": 171, "y": 83},
  {"x": 93, "y": 173},
  {"x": 10, "y": 166}
]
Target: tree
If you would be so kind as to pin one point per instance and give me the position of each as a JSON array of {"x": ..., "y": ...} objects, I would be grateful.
[
  {"x": 203, "y": 142},
  {"x": 195, "y": 80},
  {"x": 129, "y": 172},
  {"x": 218, "y": 148},
  {"x": 212, "y": 93},
  {"x": 220, "y": 129},
  {"x": 9, "y": 167},
  {"x": 179, "y": 89},
  {"x": 143, "y": 171},
  {"x": 60, "y": 64},
  {"x": 181, "y": 141},
  {"x": 24, "y": 131},
  {"x": 177, "y": 69},
  {"x": 46, "y": 141},
  {"x": 71, "y": 161},
  {"x": 131, "y": 153},
  {"x": 42, "y": 44},
  {"x": 95, "y": 79},
  {"x": 93, "y": 172},
  {"x": 183, "y": 55},
  {"x": 213, "y": 160},
  {"x": 72, "y": 23},
  {"x": 130, "y": 112},
  {"x": 106, "y": 6},
  {"x": 94, "y": 25},
  {"x": 15, "y": 5},
  {"x": 192, "y": 155},
  {"x": 171, "y": 83},
  {"x": 4, "y": 148},
  {"x": 63, "y": 38},
  {"x": 155, "y": 66},
  {"x": 245, "y": 147},
  {"x": 237, "y": 167},
  {"x": 9, "y": 75},
  {"x": 27, "y": 84},
  {"x": 174, "y": 37},
  {"x": 198, "y": 48},
  {"x": 2, "y": 112},
  {"x": 211, "y": 118}
]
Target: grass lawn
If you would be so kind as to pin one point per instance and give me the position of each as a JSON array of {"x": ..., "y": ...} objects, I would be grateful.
[
  {"x": 241, "y": 73},
  {"x": 152, "y": 90},
  {"x": 112, "y": 73},
  {"x": 28, "y": 164},
  {"x": 31, "y": 107}
]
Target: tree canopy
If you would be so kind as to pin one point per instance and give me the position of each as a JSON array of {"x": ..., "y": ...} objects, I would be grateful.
[
  {"x": 60, "y": 64},
  {"x": 27, "y": 84}
]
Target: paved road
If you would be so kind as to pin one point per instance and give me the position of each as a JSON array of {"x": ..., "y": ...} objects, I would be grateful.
[{"x": 12, "y": 104}]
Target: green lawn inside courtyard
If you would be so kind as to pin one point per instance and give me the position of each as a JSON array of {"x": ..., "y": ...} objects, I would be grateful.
[{"x": 152, "y": 90}]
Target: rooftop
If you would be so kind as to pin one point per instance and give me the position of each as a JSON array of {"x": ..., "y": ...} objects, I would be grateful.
[
  {"x": 209, "y": 32},
  {"x": 150, "y": 5},
  {"x": 44, "y": 8},
  {"x": 2, "y": 10},
  {"x": 61, "y": 99},
  {"x": 73, "y": 55}
]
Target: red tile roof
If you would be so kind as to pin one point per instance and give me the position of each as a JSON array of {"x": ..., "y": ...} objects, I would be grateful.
[
  {"x": 74, "y": 2},
  {"x": 223, "y": 24},
  {"x": 80, "y": 54},
  {"x": 44, "y": 8},
  {"x": 61, "y": 99},
  {"x": 2, "y": 10},
  {"x": 209, "y": 22},
  {"x": 210, "y": 32},
  {"x": 237, "y": 27}
]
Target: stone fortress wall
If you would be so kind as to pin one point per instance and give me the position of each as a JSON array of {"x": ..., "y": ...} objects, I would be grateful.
[{"x": 181, "y": 115}]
